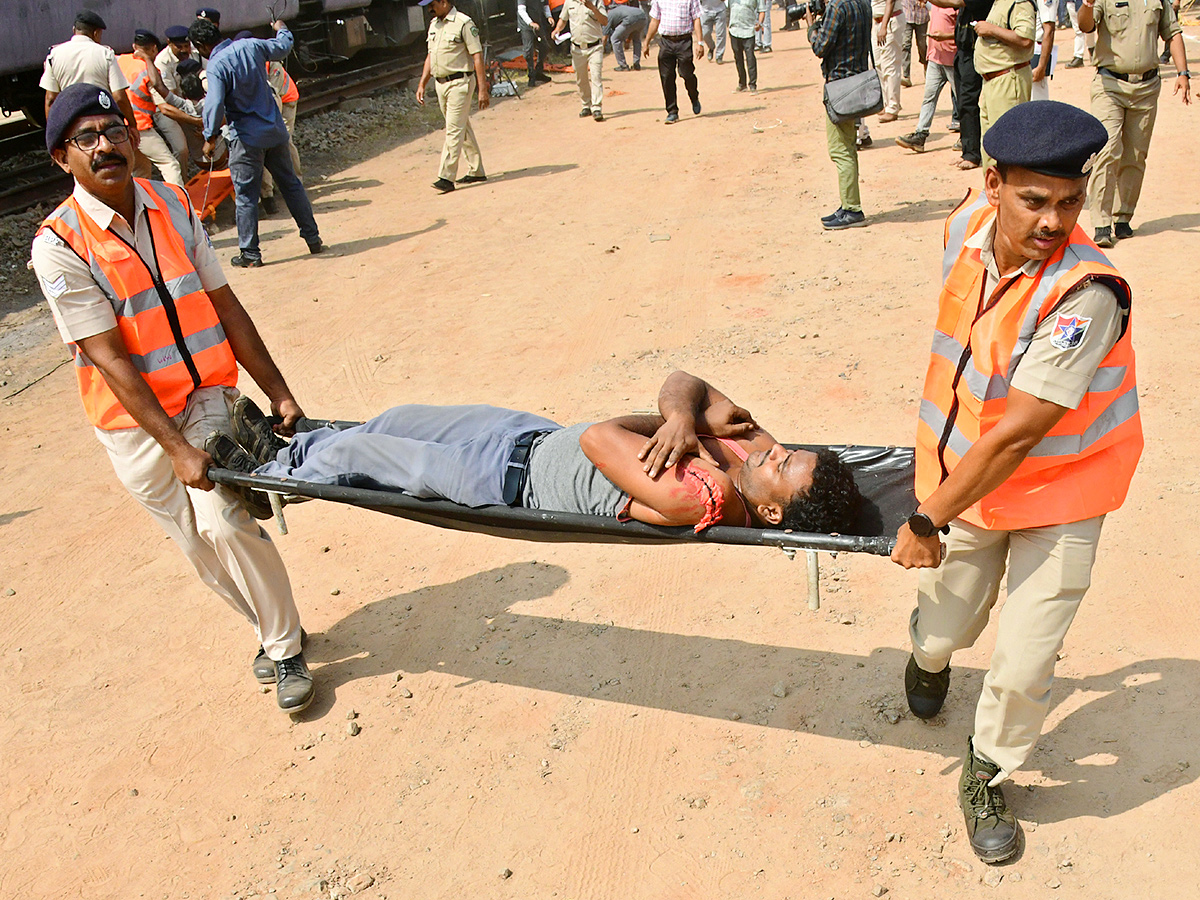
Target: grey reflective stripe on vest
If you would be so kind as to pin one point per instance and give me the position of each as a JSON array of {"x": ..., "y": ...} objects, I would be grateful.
[
  {"x": 981, "y": 386},
  {"x": 1118, "y": 413},
  {"x": 149, "y": 299},
  {"x": 936, "y": 420},
  {"x": 957, "y": 233},
  {"x": 70, "y": 218},
  {"x": 168, "y": 355},
  {"x": 180, "y": 215}
]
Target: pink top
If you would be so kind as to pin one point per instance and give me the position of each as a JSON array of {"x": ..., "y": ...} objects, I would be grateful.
[{"x": 941, "y": 21}]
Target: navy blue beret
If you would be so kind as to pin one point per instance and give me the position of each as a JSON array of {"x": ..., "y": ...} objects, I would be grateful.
[
  {"x": 189, "y": 66},
  {"x": 78, "y": 100},
  {"x": 1046, "y": 137},
  {"x": 176, "y": 33},
  {"x": 242, "y": 35},
  {"x": 143, "y": 38},
  {"x": 207, "y": 12},
  {"x": 89, "y": 19}
]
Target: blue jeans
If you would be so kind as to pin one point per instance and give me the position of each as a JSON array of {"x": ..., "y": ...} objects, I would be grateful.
[
  {"x": 937, "y": 76},
  {"x": 456, "y": 453},
  {"x": 246, "y": 165}
]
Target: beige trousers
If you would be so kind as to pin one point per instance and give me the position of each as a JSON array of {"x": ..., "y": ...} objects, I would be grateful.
[
  {"x": 230, "y": 551},
  {"x": 454, "y": 97},
  {"x": 888, "y": 58},
  {"x": 1127, "y": 112},
  {"x": 289, "y": 119},
  {"x": 172, "y": 133},
  {"x": 588, "y": 65},
  {"x": 153, "y": 149},
  {"x": 1049, "y": 571},
  {"x": 998, "y": 96}
]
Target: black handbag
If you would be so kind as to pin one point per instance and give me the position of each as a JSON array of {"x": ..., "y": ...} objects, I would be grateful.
[{"x": 855, "y": 96}]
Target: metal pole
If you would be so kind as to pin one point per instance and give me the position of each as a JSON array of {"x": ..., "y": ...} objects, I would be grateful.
[
  {"x": 814, "y": 580},
  {"x": 281, "y": 524}
]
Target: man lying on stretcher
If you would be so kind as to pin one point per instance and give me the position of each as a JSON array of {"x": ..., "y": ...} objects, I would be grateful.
[{"x": 703, "y": 460}]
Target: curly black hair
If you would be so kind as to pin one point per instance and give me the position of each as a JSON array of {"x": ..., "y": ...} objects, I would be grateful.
[
  {"x": 204, "y": 33},
  {"x": 830, "y": 505}
]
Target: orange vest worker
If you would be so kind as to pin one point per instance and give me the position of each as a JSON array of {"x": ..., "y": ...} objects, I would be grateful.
[
  {"x": 144, "y": 106},
  {"x": 168, "y": 324},
  {"x": 1083, "y": 466}
]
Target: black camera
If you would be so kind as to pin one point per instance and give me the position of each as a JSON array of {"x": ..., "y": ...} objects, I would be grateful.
[{"x": 797, "y": 11}]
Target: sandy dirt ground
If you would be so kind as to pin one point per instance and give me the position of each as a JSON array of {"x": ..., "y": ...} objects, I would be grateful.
[{"x": 544, "y": 721}]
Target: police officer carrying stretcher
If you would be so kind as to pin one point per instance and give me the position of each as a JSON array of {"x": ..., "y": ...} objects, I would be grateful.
[{"x": 1029, "y": 435}]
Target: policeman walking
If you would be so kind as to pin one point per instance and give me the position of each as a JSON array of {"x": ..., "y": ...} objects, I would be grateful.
[
  {"x": 158, "y": 335},
  {"x": 1029, "y": 435},
  {"x": 84, "y": 59},
  {"x": 1125, "y": 98},
  {"x": 455, "y": 62}
]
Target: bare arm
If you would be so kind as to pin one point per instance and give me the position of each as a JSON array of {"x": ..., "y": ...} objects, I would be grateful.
[
  {"x": 690, "y": 406},
  {"x": 1087, "y": 16},
  {"x": 485, "y": 89},
  {"x": 249, "y": 350},
  {"x": 987, "y": 465},
  {"x": 698, "y": 38},
  {"x": 424, "y": 80},
  {"x": 123, "y": 104},
  {"x": 108, "y": 354},
  {"x": 1179, "y": 57},
  {"x": 881, "y": 38},
  {"x": 650, "y": 33},
  {"x": 1043, "y": 65}
]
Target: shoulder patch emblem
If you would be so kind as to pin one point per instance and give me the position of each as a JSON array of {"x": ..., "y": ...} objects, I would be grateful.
[
  {"x": 1069, "y": 331},
  {"x": 56, "y": 288},
  {"x": 474, "y": 31},
  {"x": 49, "y": 237}
]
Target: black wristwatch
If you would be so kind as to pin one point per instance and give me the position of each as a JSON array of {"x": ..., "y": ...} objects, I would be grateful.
[{"x": 922, "y": 526}]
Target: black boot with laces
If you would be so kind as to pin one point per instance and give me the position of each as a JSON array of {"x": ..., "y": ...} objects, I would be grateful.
[{"x": 991, "y": 827}]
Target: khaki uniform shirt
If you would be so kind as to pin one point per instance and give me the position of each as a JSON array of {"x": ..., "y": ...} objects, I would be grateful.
[
  {"x": 167, "y": 62},
  {"x": 993, "y": 55},
  {"x": 1045, "y": 371},
  {"x": 452, "y": 41},
  {"x": 578, "y": 18},
  {"x": 1127, "y": 32},
  {"x": 81, "y": 309},
  {"x": 82, "y": 60}
]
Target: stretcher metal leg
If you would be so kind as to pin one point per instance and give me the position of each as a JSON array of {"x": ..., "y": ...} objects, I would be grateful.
[
  {"x": 277, "y": 509},
  {"x": 814, "y": 580}
]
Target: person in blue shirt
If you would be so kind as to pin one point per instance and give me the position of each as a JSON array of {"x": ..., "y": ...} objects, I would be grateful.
[{"x": 239, "y": 93}]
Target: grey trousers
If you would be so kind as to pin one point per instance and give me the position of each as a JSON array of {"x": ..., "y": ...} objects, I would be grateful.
[{"x": 456, "y": 453}]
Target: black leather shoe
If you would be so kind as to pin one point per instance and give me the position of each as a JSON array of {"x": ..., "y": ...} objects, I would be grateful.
[
  {"x": 315, "y": 248},
  {"x": 472, "y": 179},
  {"x": 992, "y": 828},
  {"x": 269, "y": 205},
  {"x": 585, "y": 113},
  {"x": 293, "y": 684},
  {"x": 696, "y": 107},
  {"x": 241, "y": 261},
  {"x": 227, "y": 454},
  {"x": 444, "y": 185},
  {"x": 1122, "y": 230},
  {"x": 253, "y": 432},
  {"x": 543, "y": 78},
  {"x": 926, "y": 691},
  {"x": 263, "y": 666}
]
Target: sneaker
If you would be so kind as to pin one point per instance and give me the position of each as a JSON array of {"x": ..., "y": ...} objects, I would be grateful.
[
  {"x": 621, "y": 69},
  {"x": 765, "y": 50},
  {"x": 585, "y": 112},
  {"x": 472, "y": 179},
  {"x": 671, "y": 119},
  {"x": 914, "y": 141},
  {"x": 905, "y": 81},
  {"x": 991, "y": 827},
  {"x": 832, "y": 216},
  {"x": 597, "y": 115},
  {"x": 926, "y": 691},
  {"x": 242, "y": 261},
  {"x": 1122, "y": 230},
  {"x": 316, "y": 247},
  {"x": 253, "y": 432},
  {"x": 293, "y": 684},
  {"x": 637, "y": 67},
  {"x": 719, "y": 61},
  {"x": 863, "y": 142},
  {"x": 846, "y": 218},
  {"x": 269, "y": 205},
  {"x": 739, "y": 89},
  {"x": 1104, "y": 238},
  {"x": 710, "y": 56},
  {"x": 443, "y": 185},
  {"x": 954, "y": 128},
  {"x": 226, "y": 454},
  {"x": 263, "y": 666},
  {"x": 696, "y": 107},
  {"x": 1075, "y": 63},
  {"x": 754, "y": 88}
]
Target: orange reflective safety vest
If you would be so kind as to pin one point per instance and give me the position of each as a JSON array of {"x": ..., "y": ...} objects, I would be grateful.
[
  {"x": 169, "y": 326},
  {"x": 1083, "y": 466},
  {"x": 144, "y": 106},
  {"x": 291, "y": 93}
]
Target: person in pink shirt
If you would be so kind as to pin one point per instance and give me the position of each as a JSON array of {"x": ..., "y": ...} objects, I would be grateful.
[{"x": 938, "y": 73}]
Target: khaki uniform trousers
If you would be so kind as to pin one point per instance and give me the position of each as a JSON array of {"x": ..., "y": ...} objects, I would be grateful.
[
  {"x": 998, "y": 96},
  {"x": 172, "y": 133},
  {"x": 1128, "y": 112},
  {"x": 588, "y": 65},
  {"x": 844, "y": 153},
  {"x": 1049, "y": 571},
  {"x": 231, "y": 553},
  {"x": 888, "y": 60},
  {"x": 289, "y": 119},
  {"x": 153, "y": 149},
  {"x": 454, "y": 97}
]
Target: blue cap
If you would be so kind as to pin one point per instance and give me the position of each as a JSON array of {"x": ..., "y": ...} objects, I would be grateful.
[
  {"x": 89, "y": 19},
  {"x": 207, "y": 12},
  {"x": 176, "y": 33},
  {"x": 143, "y": 38},
  {"x": 74, "y": 102},
  {"x": 242, "y": 35},
  {"x": 424, "y": 2},
  {"x": 1047, "y": 137},
  {"x": 189, "y": 66}
]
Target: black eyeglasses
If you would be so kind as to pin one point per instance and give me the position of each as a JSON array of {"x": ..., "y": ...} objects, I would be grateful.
[{"x": 87, "y": 141}]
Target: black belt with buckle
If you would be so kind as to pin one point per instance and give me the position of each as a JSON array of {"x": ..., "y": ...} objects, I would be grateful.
[
  {"x": 1133, "y": 78},
  {"x": 453, "y": 76},
  {"x": 586, "y": 46},
  {"x": 517, "y": 470}
]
